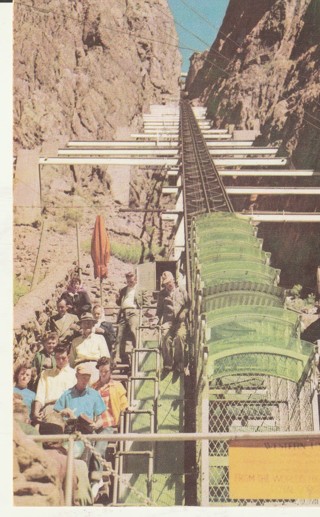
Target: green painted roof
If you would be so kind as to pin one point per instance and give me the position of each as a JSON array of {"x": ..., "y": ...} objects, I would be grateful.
[
  {"x": 242, "y": 315},
  {"x": 248, "y": 330},
  {"x": 223, "y": 252},
  {"x": 217, "y": 273},
  {"x": 240, "y": 297}
]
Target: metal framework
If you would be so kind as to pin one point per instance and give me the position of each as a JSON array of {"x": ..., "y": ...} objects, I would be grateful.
[{"x": 253, "y": 372}]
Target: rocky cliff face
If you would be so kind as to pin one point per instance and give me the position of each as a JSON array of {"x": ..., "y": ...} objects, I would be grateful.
[
  {"x": 265, "y": 64},
  {"x": 84, "y": 69}
]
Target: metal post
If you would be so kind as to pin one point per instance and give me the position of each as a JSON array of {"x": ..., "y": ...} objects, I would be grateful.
[
  {"x": 78, "y": 249},
  {"x": 40, "y": 185},
  {"x": 36, "y": 272},
  {"x": 69, "y": 473},
  {"x": 116, "y": 478},
  {"x": 150, "y": 476},
  {"x": 134, "y": 361},
  {"x": 205, "y": 467},
  {"x": 139, "y": 333}
]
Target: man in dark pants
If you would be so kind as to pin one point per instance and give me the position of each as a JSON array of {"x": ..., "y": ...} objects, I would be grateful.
[
  {"x": 129, "y": 299},
  {"x": 103, "y": 327},
  {"x": 172, "y": 308}
]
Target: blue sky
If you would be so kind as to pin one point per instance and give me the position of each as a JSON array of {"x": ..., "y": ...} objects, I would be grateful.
[{"x": 212, "y": 10}]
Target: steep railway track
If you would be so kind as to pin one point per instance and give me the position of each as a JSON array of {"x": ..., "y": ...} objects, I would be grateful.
[
  {"x": 203, "y": 193},
  {"x": 237, "y": 333},
  {"x": 203, "y": 189}
]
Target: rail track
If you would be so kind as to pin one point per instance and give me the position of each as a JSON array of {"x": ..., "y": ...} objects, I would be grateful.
[{"x": 203, "y": 188}]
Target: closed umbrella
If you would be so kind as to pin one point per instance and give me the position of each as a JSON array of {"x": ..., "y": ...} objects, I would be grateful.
[{"x": 100, "y": 250}]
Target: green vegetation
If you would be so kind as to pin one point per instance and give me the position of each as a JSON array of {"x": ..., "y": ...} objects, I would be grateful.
[
  {"x": 296, "y": 302},
  {"x": 19, "y": 289},
  {"x": 130, "y": 253},
  {"x": 296, "y": 290},
  {"x": 213, "y": 106},
  {"x": 86, "y": 246},
  {"x": 72, "y": 216},
  {"x": 126, "y": 252},
  {"x": 60, "y": 227},
  {"x": 156, "y": 251}
]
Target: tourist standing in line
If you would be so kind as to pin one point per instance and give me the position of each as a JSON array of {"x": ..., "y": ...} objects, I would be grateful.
[
  {"x": 114, "y": 396},
  {"x": 129, "y": 299},
  {"x": 172, "y": 309},
  {"x": 77, "y": 298},
  {"x": 103, "y": 327},
  {"x": 44, "y": 359},
  {"x": 64, "y": 323},
  {"x": 22, "y": 377},
  {"x": 52, "y": 384},
  {"x": 89, "y": 347}
]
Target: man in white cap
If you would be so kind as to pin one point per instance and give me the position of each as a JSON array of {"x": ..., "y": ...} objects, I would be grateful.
[
  {"x": 89, "y": 347},
  {"x": 85, "y": 403},
  {"x": 82, "y": 400},
  {"x": 129, "y": 299},
  {"x": 172, "y": 308}
]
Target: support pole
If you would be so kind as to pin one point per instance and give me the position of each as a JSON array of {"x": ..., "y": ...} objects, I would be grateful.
[
  {"x": 36, "y": 272},
  {"x": 69, "y": 473},
  {"x": 318, "y": 281},
  {"x": 78, "y": 249},
  {"x": 40, "y": 185}
]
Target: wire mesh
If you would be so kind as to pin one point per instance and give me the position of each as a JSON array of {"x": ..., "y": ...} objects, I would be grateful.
[{"x": 253, "y": 404}]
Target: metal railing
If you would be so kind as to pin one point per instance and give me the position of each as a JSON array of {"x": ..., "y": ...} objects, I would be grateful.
[{"x": 271, "y": 438}]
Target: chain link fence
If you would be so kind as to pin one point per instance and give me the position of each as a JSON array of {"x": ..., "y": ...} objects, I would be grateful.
[{"x": 253, "y": 404}]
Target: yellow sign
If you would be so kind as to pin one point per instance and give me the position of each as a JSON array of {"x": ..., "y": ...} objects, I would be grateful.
[{"x": 282, "y": 469}]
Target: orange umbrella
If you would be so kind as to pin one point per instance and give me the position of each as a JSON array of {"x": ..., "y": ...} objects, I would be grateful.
[{"x": 100, "y": 249}]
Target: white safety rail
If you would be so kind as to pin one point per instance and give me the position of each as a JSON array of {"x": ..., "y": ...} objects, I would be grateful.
[
  {"x": 117, "y": 152},
  {"x": 261, "y": 151},
  {"x": 278, "y": 191},
  {"x": 159, "y": 151},
  {"x": 271, "y": 217},
  {"x": 266, "y": 172},
  {"x": 251, "y": 162},
  {"x": 96, "y": 160},
  {"x": 158, "y": 146},
  {"x": 276, "y": 217},
  {"x": 125, "y": 144}
]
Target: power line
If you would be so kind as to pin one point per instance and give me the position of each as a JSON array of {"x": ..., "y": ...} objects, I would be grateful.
[
  {"x": 129, "y": 33},
  {"x": 195, "y": 35},
  {"x": 309, "y": 115},
  {"x": 207, "y": 21},
  {"x": 132, "y": 34},
  {"x": 308, "y": 122}
]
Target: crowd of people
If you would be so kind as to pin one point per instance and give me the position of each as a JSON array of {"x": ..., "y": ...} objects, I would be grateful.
[{"x": 70, "y": 377}]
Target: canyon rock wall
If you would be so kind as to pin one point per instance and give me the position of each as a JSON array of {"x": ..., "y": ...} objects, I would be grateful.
[
  {"x": 265, "y": 64},
  {"x": 84, "y": 69}
]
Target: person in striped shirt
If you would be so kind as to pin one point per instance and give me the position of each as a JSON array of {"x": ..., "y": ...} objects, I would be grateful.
[{"x": 114, "y": 396}]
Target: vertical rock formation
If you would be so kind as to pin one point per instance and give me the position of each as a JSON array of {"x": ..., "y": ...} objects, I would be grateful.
[
  {"x": 82, "y": 69},
  {"x": 265, "y": 63}
]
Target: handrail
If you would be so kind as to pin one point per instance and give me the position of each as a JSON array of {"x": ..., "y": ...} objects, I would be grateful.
[
  {"x": 179, "y": 437},
  {"x": 165, "y": 437}
]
